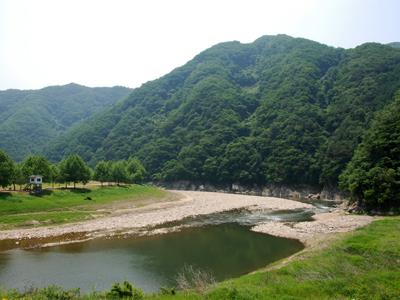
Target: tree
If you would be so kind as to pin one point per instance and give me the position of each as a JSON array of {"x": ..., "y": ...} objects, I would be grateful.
[
  {"x": 74, "y": 169},
  {"x": 18, "y": 177},
  {"x": 6, "y": 169},
  {"x": 37, "y": 165},
  {"x": 373, "y": 175},
  {"x": 102, "y": 171},
  {"x": 119, "y": 172},
  {"x": 135, "y": 169},
  {"x": 54, "y": 174}
]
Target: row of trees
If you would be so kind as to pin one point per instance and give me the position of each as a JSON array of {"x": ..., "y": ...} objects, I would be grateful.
[{"x": 72, "y": 169}]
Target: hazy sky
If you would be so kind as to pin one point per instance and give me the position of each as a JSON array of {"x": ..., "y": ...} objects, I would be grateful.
[{"x": 106, "y": 43}]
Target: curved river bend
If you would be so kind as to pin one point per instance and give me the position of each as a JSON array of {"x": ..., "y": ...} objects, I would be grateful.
[{"x": 221, "y": 244}]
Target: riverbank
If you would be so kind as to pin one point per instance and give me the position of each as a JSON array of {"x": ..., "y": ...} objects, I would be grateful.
[
  {"x": 342, "y": 257},
  {"x": 129, "y": 219},
  {"x": 363, "y": 264},
  {"x": 143, "y": 220},
  {"x": 324, "y": 224},
  {"x": 21, "y": 210}
]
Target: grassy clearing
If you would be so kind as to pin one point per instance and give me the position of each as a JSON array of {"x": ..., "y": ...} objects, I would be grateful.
[
  {"x": 364, "y": 264},
  {"x": 61, "y": 206},
  {"x": 46, "y": 218}
]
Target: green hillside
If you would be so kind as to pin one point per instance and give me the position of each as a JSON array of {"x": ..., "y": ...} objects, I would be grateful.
[
  {"x": 30, "y": 119},
  {"x": 280, "y": 110},
  {"x": 395, "y": 44}
]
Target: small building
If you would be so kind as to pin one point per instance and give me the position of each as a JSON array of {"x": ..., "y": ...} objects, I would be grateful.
[
  {"x": 36, "y": 179},
  {"x": 35, "y": 184}
]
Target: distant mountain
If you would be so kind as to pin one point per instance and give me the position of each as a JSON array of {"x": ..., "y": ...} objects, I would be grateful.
[
  {"x": 30, "y": 119},
  {"x": 394, "y": 44},
  {"x": 281, "y": 110}
]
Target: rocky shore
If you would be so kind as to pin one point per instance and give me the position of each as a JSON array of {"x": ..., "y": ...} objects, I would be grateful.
[{"x": 191, "y": 204}]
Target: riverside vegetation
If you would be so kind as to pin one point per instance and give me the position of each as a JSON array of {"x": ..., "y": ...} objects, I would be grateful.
[
  {"x": 55, "y": 206},
  {"x": 64, "y": 206},
  {"x": 359, "y": 265}
]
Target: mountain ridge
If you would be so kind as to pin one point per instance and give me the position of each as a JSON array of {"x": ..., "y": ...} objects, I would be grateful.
[
  {"x": 32, "y": 118},
  {"x": 278, "y": 110}
]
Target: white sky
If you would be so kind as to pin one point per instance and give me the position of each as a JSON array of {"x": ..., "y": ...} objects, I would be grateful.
[{"x": 107, "y": 43}]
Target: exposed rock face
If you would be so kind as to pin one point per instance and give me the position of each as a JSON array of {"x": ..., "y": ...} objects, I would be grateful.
[
  {"x": 281, "y": 191},
  {"x": 332, "y": 193}
]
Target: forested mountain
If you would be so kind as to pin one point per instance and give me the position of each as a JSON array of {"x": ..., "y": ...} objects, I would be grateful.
[
  {"x": 395, "y": 44},
  {"x": 373, "y": 175},
  {"x": 279, "y": 110},
  {"x": 29, "y": 119}
]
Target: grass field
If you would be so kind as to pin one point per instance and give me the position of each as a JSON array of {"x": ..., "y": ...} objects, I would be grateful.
[
  {"x": 67, "y": 205},
  {"x": 364, "y": 264}
]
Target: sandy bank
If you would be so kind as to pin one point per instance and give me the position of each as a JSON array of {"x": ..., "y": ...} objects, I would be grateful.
[
  {"x": 125, "y": 220},
  {"x": 323, "y": 224}
]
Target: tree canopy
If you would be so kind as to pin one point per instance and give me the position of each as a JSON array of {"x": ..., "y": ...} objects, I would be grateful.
[
  {"x": 280, "y": 110},
  {"x": 37, "y": 165},
  {"x": 373, "y": 175},
  {"x": 6, "y": 169},
  {"x": 31, "y": 119},
  {"x": 74, "y": 169}
]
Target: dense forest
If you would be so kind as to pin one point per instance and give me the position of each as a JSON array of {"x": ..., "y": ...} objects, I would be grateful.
[
  {"x": 280, "y": 110},
  {"x": 29, "y": 119},
  {"x": 373, "y": 175}
]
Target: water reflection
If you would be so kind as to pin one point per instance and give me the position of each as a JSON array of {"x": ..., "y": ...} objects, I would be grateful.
[
  {"x": 220, "y": 243},
  {"x": 227, "y": 250}
]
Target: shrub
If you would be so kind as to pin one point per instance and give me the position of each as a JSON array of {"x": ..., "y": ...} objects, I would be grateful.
[{"x": 125, "y": 291}]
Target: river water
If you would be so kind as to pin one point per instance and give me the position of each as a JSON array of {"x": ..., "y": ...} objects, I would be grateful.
[{"x": 221, "y": 244}]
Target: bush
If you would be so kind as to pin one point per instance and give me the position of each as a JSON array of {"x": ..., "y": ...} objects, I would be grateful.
[
  {"x": 54, "y": 292},
  {"x": 167, "y": 291},
  {"x": 125, "y": 291}
]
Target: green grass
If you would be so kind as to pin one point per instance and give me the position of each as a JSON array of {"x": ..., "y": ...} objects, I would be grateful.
[
  {"x": 61, "y": 206},
  {"x": 361, "y": 265},
  {"x": 364, "y": 264},
  {"x": 47, "y": 218}
]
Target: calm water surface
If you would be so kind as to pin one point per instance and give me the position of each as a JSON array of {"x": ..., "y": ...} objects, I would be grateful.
[{"x": 226, "y": 250}]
